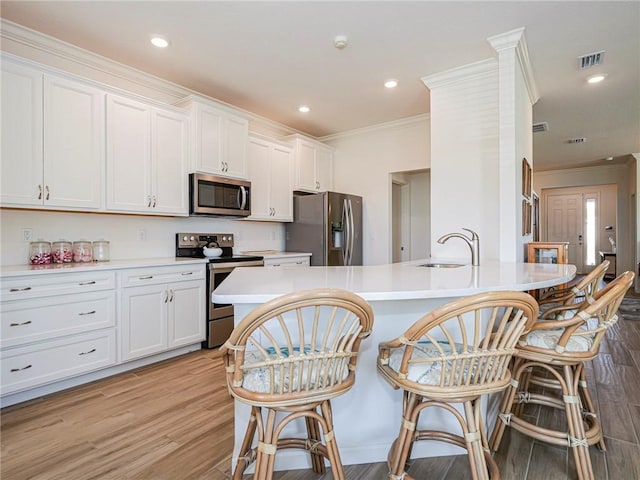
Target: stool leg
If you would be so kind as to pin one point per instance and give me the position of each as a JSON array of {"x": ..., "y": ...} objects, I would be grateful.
[
  {"x": 267, "y": 447},
  {"x": 401, "y": 447},
  {"x": 331, "y": 442},
  {"x": 577, "y": 435},
  {"x": 247, "y": 454},
  {"x": 313, "y": 434},
  {"x": 589, "y": 407},
  {"x": 506, "y": 405},
  {"x": 473, "y": 440}
]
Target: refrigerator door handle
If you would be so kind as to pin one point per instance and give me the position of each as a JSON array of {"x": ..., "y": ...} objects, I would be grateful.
[
  {"x": 351, "y": 232},
  {"x": 345, "y": 229}
]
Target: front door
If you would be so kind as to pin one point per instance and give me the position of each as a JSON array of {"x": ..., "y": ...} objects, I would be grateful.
[{"x": 565, "y": 224}]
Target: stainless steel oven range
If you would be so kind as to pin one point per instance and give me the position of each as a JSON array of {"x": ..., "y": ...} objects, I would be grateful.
[{"x": 219, "y": 316}]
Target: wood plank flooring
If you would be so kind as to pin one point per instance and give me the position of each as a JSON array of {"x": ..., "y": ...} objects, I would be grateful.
[{"x": 174, "y": 420}]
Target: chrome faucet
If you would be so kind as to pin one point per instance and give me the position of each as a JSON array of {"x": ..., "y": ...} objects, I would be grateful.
[{"x": 473, "y": 242}]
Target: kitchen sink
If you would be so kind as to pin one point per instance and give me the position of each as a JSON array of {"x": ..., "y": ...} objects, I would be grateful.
[{"x": 440, "y": 265}]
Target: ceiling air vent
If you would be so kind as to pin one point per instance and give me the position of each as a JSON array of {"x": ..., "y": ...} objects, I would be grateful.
[
  {"x": 591, "y": 60},
  {"x": 577, "y": 140},
  {"x": 540, "y": 127}
]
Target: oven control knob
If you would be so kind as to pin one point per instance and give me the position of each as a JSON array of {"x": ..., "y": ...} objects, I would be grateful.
[
  {"x": 184, "y": 239},
  {"x": 192, "y": 238}
]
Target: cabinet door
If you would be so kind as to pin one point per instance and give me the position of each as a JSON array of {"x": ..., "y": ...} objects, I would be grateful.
[
  {"x": 144, "y": 321},
  {"x": 128, "y": 155},
  {"x": 186, "y": 318},
  {"x": 306, "y": 167},
  {"x": 324, "y": 169},
  {"x": 73, "y": 144},
  {"x": 21, "y": 161},
  {"x": 208, "y": 139},
  {"x": 235, "y": 151},
  {"x": 281, "y": 191},
  {"x": 259, "y": 174},
  {"x": 169, "y": 154}
]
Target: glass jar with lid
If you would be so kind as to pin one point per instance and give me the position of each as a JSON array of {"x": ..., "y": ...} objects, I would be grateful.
[
  {"x": 101, "y": 251},
  {"x": 82, "y": 251},
  {"x": 61, "y": 252},
  {"x": 39, "y": 253}
]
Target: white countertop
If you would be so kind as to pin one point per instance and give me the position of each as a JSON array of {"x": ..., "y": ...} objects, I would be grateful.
[
  {"x": 18, "y": 270},
  {"x": 399, "y": 281}
]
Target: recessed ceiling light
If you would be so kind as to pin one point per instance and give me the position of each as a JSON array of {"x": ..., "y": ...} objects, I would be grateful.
[
  {"x": 391, "y": 83},
  {"x": 597, "y": 78},
  {"x": 159, "y": 41},
  {"x": 304, "y": 109},
  {"x": 609, "y": 158}
]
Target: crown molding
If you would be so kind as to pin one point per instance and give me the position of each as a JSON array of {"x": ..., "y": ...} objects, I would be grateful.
[
  {"x": 479, "y": 69},
  {"x": 515, "y": 40},
  {"x": 403, "y": 122}
]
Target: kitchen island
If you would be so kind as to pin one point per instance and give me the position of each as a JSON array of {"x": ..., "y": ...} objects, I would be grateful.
[{"x": 399, "y": 294}]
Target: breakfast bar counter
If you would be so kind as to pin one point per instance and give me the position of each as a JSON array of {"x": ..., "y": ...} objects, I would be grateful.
[{"x": 367, "y": 418}]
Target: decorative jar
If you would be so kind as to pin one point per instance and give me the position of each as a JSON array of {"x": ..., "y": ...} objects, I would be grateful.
[
  {"x": 101, "y": 251},
  {"x": 39, "y": 253},
  {"x": 61, "y": 252},
  {"x": 82, "y": 251}
]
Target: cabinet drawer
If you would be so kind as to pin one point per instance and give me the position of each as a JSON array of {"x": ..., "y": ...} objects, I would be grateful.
[
  {"x": 55, "y": 285},
  {"x": 287, "y": 262},
  {"x": 46, "y": 318},
  {"x": 34, "y": 365},
  {"x": 157, "y": 275}
]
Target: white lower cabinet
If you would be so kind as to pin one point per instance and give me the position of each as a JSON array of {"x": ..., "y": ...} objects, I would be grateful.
[
  {"x": 162, "y": 308},
  {"x": 60, "y": 325},
  {"x": 56, "y": 326}
]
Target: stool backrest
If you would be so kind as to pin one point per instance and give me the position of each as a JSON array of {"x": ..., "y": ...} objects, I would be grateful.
[
  {"x": 467, "y": 343},
  {"x": 299, "y": 346},
  {"x": 590, "y": 321}
]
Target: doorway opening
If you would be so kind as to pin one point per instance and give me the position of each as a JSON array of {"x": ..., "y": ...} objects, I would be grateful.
[{"x": 410, "y": 215}]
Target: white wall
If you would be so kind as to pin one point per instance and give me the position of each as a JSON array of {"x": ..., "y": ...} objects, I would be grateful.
[
  {"x": 602, "y": 175},
  {"x": 123, "y": 232},
  {"x": 363, "y": 161},
  {"x": 420, "y": 214}
]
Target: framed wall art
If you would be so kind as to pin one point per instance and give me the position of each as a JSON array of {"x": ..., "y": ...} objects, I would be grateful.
[{"x": 526, "y": 178}]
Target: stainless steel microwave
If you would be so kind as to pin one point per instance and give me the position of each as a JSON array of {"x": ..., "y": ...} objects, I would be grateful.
[{"x": 219, "y": 196}]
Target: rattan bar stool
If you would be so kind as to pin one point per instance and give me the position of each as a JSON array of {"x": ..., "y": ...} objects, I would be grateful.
[
  {"x": 455, "y": 354},
  {"x": 554, "y": 304},
  {"x": 290, "y": 357},
  {"x": 561, "y": 348}
]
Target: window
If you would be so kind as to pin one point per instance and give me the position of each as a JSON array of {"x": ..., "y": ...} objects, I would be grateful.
[{"x": 590, "y": 231}]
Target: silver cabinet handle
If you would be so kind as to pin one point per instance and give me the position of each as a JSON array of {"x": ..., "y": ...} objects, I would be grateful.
[
  {"x": 19, "y": 324},
  {"x": 145, "y": 278},
  {"x": 39, "y": 192},
  {"x": 186, "y": 273},
  {"x": 92, "y": 282},
  {"x": 149, "y": 201},
  {"x": 23, "y": 289},
  {"x": 46, "y": 187},
  {"x": 87, "y": 353},
  {"x": 19, "y": 369},
  {"x": 166, "y": 296},
  {"x": 92, "y": 312},
  {"x": 171, "y": 295},
  {"x": 154, "y": 201}
]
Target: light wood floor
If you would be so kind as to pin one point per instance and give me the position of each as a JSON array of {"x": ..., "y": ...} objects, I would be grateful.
[{"x": 173, "y": 421}]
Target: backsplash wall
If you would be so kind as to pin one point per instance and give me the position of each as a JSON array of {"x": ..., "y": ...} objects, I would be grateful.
[{"x": 131, "y": 236}]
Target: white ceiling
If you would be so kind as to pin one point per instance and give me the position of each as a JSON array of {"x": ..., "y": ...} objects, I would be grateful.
[{"x": 270, "y": 57}]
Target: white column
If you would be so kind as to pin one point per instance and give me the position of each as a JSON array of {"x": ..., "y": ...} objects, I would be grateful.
[{"x": 481, "y": 121}]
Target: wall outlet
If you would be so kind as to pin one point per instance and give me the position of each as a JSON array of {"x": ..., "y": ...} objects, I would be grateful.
[
  {"x": 27, "y": 234},
  {"x": 142, "y": 235}
]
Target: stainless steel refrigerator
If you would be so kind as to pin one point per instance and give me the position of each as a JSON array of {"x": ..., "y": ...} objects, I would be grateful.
[{"x": 329, "y": 226}]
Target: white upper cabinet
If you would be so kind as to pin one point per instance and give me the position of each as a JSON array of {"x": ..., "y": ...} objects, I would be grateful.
[
  {"x": 52, "y": 140},
  {"x": 147, "y": 150},
  {"x": 313, "y": 165},
  {"x": 271, "y": 174},
  {"x": 22, "y": 121},
  {"x": 218, "y": 139}
]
